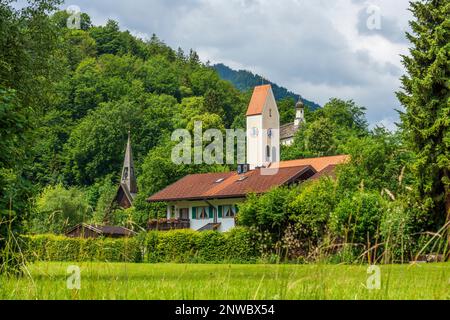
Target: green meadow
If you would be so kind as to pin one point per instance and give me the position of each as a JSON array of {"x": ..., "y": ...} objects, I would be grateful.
[{"x": 222, "y": 281}]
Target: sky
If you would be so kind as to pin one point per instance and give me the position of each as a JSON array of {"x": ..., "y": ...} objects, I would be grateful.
[{"x": 348, "y": 49}]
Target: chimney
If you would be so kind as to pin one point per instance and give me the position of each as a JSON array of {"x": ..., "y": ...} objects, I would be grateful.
[{"x": 243, "y": 168}]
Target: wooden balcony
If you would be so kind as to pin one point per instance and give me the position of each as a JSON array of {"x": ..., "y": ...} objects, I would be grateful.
[{"x": 168, "y": 224}]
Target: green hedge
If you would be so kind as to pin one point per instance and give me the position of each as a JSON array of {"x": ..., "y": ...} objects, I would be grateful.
[
  {"x": 60, "y": 248},
  {"x": 235, "y": 246},
  {"x": 178, "y": 246}
]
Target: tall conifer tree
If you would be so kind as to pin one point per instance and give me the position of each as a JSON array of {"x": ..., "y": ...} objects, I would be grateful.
[{"x": 425, "y": 95}]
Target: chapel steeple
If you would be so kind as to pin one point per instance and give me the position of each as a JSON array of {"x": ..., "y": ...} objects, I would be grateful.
[
  {"x": 128, "y": 173},
  {"x": 128, "y": 186}
]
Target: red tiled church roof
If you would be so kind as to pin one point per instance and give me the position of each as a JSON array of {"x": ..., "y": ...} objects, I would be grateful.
[
  {"x": 230, "y": 184},
  {"x": 258, "y": 100}
]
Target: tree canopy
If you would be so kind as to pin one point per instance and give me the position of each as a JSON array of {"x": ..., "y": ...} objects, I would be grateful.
[{"x": 426, "y": 97}]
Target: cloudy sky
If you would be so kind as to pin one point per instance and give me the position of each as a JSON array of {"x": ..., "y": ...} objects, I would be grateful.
[{"x": 348, "y": 49}]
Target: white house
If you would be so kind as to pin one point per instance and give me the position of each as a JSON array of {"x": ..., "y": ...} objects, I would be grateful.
[{"x": 209, "y": 201}]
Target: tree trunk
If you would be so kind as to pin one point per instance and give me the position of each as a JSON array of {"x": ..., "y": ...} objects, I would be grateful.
[{"x": 447, "y": 211}]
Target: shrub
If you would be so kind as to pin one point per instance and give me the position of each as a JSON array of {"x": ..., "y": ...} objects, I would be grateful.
[
  {"x": 210, "y": 246},
  {"x": 311, "y": 209},
  {"x": 248, "y": 211},
  {"x": 240, "y": 245},
  {"x": 173, "y": 246},
  {"x": 405, "y": 230},
  {"x": 58, "y": 208},
  {"x": 59, "y": 248},
  {"x": 356, "y": 218},
  {"x": 176, "y": 245},
  {"x": 396, "y": 230},
  {"x": 268, "y": 211},
  {"x": 237, "y": 245}
]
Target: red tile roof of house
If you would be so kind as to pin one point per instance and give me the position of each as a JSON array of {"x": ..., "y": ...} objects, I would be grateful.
[
  {"x": 329, "y": 171},
  {"x": 317, "y": 163},
  {"x": 233, "y": 185},
  {"x": 258, "y": 100}
]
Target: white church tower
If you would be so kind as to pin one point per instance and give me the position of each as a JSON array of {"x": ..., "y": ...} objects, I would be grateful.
[
  {"x": 263, "y": 128},
  {"x": 299, "y": 113}
]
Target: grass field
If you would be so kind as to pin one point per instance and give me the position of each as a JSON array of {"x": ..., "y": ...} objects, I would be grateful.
[{"x": 193, "y": 281}]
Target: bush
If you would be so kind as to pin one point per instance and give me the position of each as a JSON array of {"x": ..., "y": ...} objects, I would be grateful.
[
  {"x": 236, "y": 245},
  {"x": 356, "y": 218},
  {"x": 296, "y": 218},
  {"x": 268, "y": 211},
  {"x": 405, "y": 232},
  {"x": 57, "y": 208},
  {"x": 176, "y": 245},
  {"x": 179, "y": 246},
  {"x": 396, "y": 231},
  {"x": 311, "y": 209},
  {"x": 211, "y": 246},
  {"x": 59, "y": 248},
  {"x": 240, "y": 245}
]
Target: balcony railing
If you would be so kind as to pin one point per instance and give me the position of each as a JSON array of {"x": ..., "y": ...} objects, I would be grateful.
[{"x": 168, "y": 224}]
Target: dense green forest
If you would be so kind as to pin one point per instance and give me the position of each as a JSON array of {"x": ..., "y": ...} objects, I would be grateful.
[
  {"x": 68, "y": 97},
  {"x": 245, "y": 80}
]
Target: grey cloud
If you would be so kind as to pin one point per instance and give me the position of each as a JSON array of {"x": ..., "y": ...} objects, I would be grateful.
[{"x": 389, "y": 27}]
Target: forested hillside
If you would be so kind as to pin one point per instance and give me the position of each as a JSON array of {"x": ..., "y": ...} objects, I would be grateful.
[
  {"x": 245, "y": 80},
  {"x": 77, "y": 102}
]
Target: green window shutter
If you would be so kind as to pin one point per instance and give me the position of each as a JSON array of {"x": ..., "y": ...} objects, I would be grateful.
[
  {"x": 236, "y": 209},
  {"x": 194, "y": 212},
  {"x": 211, "y": 212},
  {"x": 220, "y": 211}
]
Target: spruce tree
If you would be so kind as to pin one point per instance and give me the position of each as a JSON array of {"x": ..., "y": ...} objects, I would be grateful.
[{"x": 425, "y": 96}]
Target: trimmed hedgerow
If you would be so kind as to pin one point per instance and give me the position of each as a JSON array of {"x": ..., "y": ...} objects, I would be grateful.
[
  {"x": 235, "y": 246},
  {"x": 241, "y": 245},
  {"x": 177, "y": 246},
  {"x": 211, "y": 246},
  {"x": 60, "y": 248}
]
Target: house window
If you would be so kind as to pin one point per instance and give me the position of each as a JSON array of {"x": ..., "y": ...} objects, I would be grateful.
[
  {"x": 270, "y": 112},
  {"x": 229, "y": 211},
  {"x": 268, "y": 152},
  {"x": 184, "y": 213},
  {"x": 202, "y": 213}
]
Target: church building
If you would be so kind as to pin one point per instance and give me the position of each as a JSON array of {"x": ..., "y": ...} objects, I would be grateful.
[
  {"x": 209, "y": 201},
  {"x": 288, "y": 131}
]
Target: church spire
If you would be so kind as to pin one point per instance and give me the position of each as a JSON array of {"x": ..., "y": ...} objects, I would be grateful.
[
  {"x": 128, "y": 174},
  {"x": 299, "y": 113}
]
